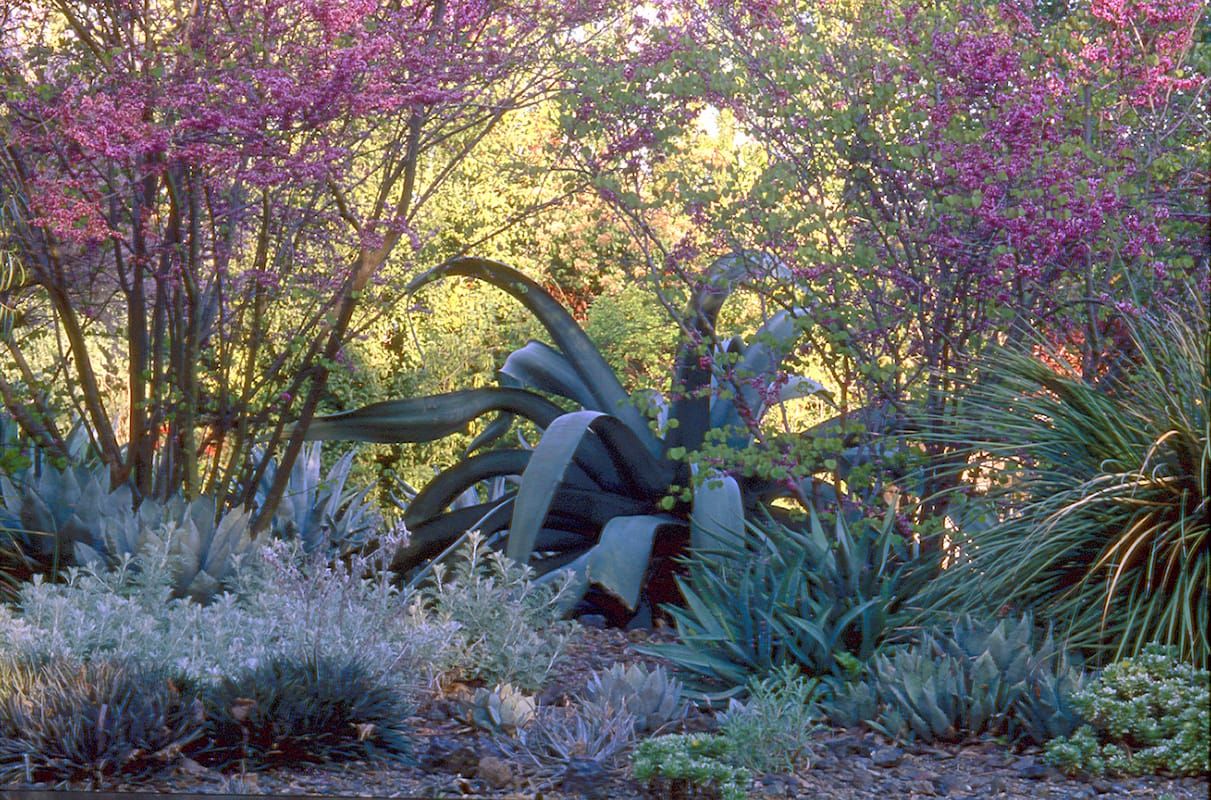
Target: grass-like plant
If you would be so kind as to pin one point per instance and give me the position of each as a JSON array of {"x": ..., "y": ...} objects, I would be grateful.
[
  {"x": 62, "y": 720},
  {"x": 1100, "y": 490},
  {"x": 290, "y": 710}
]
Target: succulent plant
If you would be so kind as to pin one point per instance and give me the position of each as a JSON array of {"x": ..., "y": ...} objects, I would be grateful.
[
  {"x": 649, "y": 695},
  {"x": 975, "y": 678},
  {"x": 690, "y": 765},
  {"x": 503, "y": 710},
  {"x": 63, "y": 721},
  {"x": 49, "y": 510},
  {"x": 561, "y": 734},
  {"x": 811, "y": 598},
  {"x": 1145, "y": 714},
  {"x": 319, "y": 510},
  {"x": 594, "y": 493},
  {"x": 291, "y": 710}
]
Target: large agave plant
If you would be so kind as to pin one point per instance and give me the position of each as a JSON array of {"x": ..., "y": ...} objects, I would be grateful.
[
  {"x": 591, "y": 490},
  {"x": 45, "y": 512}
]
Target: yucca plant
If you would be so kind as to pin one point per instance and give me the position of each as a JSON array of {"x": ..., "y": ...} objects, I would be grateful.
[
  {"x": 593, "y": 493},
  {"x": 1102, "y": 487}
]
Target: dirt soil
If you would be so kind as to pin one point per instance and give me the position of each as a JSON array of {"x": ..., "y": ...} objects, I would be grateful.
[{"x": 456, "y": 761}]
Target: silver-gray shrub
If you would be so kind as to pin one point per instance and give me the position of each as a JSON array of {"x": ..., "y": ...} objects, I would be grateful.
[{"x": 283, "y": 603}]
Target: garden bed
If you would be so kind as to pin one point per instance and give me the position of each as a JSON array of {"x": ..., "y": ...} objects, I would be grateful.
[{"x": 454, "y": 759}]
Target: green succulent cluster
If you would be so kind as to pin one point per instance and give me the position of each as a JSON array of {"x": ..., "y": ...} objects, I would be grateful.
[
  {"x": 64, "y": 720},
  {"x": 502, "y": 710},
  {"x": 976, "y": 678},
  {"x": 52, "y": 518},
  {"x": 820, "y": 599},
  {"x": 691, "y": 765},
  {"x": 1146, "y": 714},
  {"x": 649, "y": 695}
]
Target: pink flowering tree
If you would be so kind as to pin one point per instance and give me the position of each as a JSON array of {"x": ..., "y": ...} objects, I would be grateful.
[
  {"x": 180, "y": 180},
  {"x": 936, "y": 176}
]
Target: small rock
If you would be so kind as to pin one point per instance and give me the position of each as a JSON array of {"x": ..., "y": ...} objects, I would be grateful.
[
  {"x": 495, "y": 771},
  {"x": 586, "y": 778},
  {"x": 596, "y": 621},
  {"x": 861, "y": 779},
  {"x": 1030, "y": 768},
  {"x": 998, "y": 786},
  {"x": 844, "y": 746},
  {"x": 887, "y": 757},
  {"x": 951, "y": 785},
  {"x": 450, "y": 755}
]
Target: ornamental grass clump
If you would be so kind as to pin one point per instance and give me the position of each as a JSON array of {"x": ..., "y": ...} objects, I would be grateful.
[
  {"x": 62, "y": 720},
  {"x": 291, "y": 710},
  {"x": 1146, "y": 714},
  {"x": 1100, "y": 490}
]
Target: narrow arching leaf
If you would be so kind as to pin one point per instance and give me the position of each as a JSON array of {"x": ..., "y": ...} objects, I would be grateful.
[
  {"x": 579, "y": 350},
  {"x": 449, "y": 484},
  {"x": 426, "y": 419}
]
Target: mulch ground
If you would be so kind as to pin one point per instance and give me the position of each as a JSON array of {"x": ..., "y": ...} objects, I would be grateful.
[{"x": 455, "y": 761}]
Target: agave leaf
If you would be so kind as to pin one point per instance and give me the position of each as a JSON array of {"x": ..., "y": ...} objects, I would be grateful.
[
  {"x": 449, "y": 484},
  {"x": 553, "y": 456},
  {"x": 580, "y": 352},
  {"x": 619, "y": 560},
  {"x": 426, "y": 419},
  {"x": 492, "y": 432},
  {"x": 430, "y": 537},
  {"x": 539, "y": 366},
  {"x": 717, "y": 515}
]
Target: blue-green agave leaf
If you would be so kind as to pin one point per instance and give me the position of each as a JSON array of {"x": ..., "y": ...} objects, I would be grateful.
[
  {"x": 426, "y": 419},
  {"x": 576, "y": 346}
]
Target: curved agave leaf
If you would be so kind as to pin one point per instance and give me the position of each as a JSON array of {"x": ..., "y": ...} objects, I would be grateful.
[
  {"x": 619, "y": 560},
  {"x": 717, "y": 515},
  {"x": 429, "y": 538},
  {"x": 579, "y": 350},
  {"x": 693, "y": 380},
  {"x": 440, "y": 492},
  {"x": 539, "y": 366},
  {"x": 425, "y": 419},
  {"x": 551, "y": 459}
]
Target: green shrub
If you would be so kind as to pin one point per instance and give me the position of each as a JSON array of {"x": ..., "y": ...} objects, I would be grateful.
[
  {"x": 311, "y": 710},
  {"x": 687, "y": 765},
  {"x": 1146, "y": 714},
  {"x": 65, "y": 721},
  {"x": 814, "y": 599},
  {"x": 975, "y": 678},
  {"x": 508, "y": 627},
  {"x": 770, "y": 731},
  {"x": 1101, "y": 489}
]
